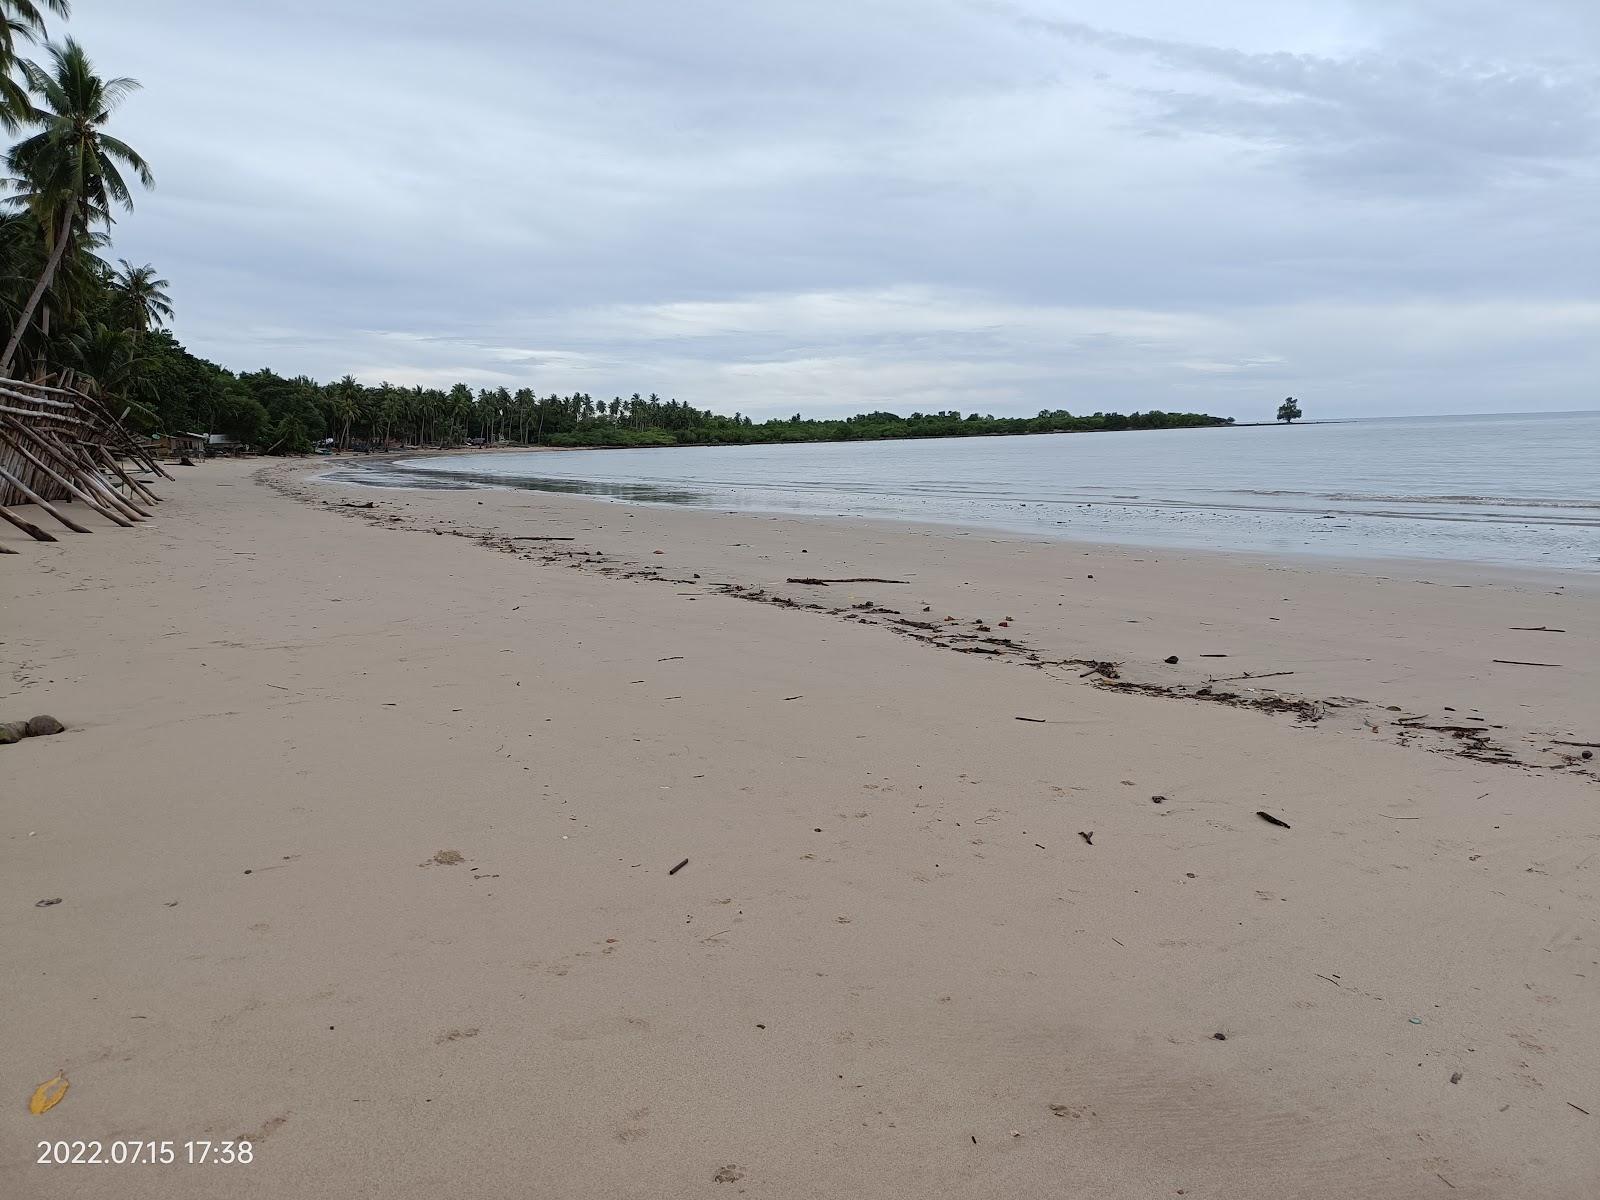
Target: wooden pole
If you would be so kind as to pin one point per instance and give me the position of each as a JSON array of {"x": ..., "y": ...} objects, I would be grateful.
[
  {"x": 27, "y": 527},
  {"x": 73, "y": 455},
  {"x": 9, "y": 439},
  {"x": 41, "y": 502},
  {"x": 134, "y": 485},
  {"x": 89, "y": 475}
]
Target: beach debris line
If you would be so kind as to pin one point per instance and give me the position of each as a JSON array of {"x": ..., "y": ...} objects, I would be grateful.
[
  {"x": 1513, "y": 662},
  {"x": 1272, "y": 820},
  {"x": 1476, "y": 744},
  {"x": 1100, "y": 667},
  {"x": 1033, "y": 720},
  {"x": 1535, "y": 629},
  {"x": 825, "y": 582}
]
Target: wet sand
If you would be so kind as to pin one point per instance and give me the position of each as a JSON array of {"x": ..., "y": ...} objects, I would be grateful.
[{"x": 893, "y": 965}]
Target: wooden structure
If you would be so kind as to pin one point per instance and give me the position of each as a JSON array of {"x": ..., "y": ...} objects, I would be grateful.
[{"x": 58, "y": 445}]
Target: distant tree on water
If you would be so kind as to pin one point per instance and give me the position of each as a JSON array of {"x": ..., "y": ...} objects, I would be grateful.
[{"x": 1289, "y": 410}]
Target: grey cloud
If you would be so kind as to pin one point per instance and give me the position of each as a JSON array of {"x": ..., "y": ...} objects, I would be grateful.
[
  {"x": 840, "y": 207},
  {"x": 1400, "y": 116}
]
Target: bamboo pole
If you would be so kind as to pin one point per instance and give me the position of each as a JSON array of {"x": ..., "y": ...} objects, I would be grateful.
[
  {"x": 27, "y": 527},
  {"x": 92, "y": 491},
  {"x": 7, "y": 437},
  {"x": 89, "y": 474},
  {"x": 41, "y": 502},
  {"x": 133, "y": 484},
  {"x": 137, "y": 452}
]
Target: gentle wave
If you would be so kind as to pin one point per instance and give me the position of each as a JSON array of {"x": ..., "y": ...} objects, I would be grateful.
[{"x": 1457, "y": 488}]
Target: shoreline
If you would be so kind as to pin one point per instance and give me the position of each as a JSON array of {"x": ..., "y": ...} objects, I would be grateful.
[
  {"x": 1544, "y": 713},
  {"x": 1449, "y": 569},
  {"x": 365, "y": 834}
]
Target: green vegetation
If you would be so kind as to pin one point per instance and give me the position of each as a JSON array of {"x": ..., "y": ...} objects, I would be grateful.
[
  {"x": 1289, "y": 410},
  {"x": 75, "y": 319},
  {"x": 291, "y": 415}
]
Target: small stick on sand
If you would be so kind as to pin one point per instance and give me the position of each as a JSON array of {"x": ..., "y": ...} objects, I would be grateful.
[{"x": 826, "y": 582}]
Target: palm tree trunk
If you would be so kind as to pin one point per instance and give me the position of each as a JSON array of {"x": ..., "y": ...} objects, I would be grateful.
[{"x": 40, "y": 288}]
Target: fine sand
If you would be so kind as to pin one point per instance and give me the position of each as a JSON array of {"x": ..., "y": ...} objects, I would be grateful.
[{"x": 363, "y": 823}]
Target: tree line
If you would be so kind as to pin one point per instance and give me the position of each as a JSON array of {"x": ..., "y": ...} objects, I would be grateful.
[
  {"x": 291, "y": 415},
  {"x": 76, "y": 318}
]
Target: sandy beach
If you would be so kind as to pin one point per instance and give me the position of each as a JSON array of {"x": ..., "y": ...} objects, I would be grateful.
[{"x": 364, "y": 824}]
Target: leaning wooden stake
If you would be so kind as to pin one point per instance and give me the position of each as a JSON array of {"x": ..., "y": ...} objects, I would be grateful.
[
  {"x": 7, "y": 438},
  {"x": 68, "y": 469},
  {"x": 88, "y": 473},
  {"x": 134, "y": 485},
  {"x": 80, "y": 455},
  {"x": 41, "y": 502},
  {"x": 27, "y": 527}
]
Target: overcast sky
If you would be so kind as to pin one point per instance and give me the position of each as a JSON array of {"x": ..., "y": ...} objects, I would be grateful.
[{"x": 778, "y": 205}]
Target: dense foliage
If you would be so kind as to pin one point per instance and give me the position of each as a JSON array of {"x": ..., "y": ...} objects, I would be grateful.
[
  {"x": 266, "y": 409},
  {"x": 74, "y": 318}
]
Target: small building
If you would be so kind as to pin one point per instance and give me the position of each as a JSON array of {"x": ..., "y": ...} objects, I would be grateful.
[
  {"x": 221, "y": 443},
  {"x": 193, "y": 444}
]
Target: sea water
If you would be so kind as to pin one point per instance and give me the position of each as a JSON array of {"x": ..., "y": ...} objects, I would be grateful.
[{"x": 1520, "y": 489}]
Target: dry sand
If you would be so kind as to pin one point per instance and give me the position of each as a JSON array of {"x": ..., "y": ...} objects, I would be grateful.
[{"x": 892, "y": 966}]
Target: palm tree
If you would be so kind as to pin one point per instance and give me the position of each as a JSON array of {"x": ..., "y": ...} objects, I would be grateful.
[
  {"x": 20, "y": 21},
  {"x": 107, "y": 360},
  {"x": 142, "y": 296},
  {"x": 345, "y": 405},
  {"x": 70, "y": 166}
]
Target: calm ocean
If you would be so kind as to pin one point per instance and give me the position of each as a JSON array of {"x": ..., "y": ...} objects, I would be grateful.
[{"x": 1515, "y": 489}]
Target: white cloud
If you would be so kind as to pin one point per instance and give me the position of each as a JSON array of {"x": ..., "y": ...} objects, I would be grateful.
[{"x": 904, "y": 204}]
